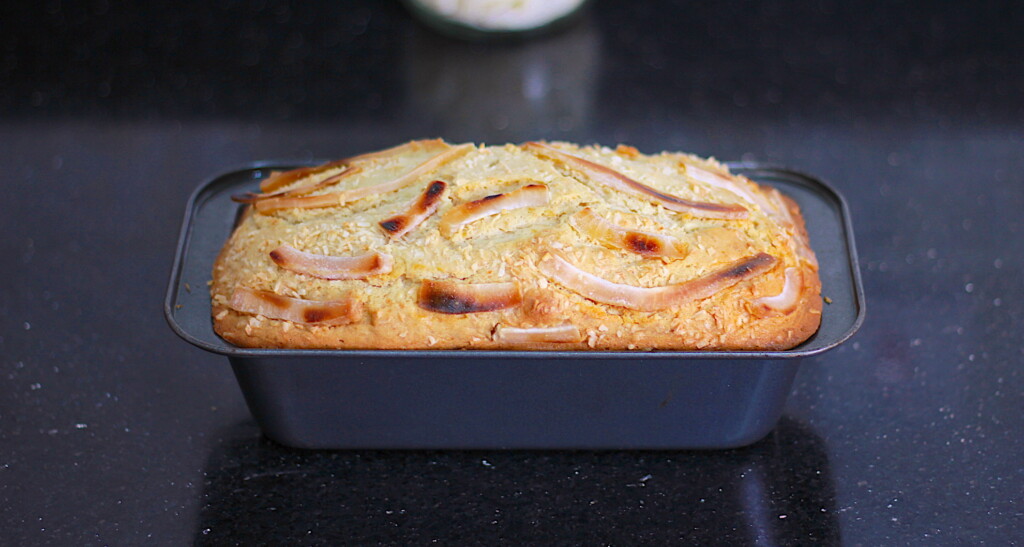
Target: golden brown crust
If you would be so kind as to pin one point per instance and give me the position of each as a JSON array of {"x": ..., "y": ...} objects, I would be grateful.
[{"x": 507, "y": 247}]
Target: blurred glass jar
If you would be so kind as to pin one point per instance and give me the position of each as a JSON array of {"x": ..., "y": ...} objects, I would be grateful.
[
  {"x": 527, "y": 89},
  {"x": 494, "y": 19}
]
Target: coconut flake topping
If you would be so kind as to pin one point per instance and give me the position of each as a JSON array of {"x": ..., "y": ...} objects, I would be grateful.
[
  {"x": 452, "y": 297},
  {"x": 516, "y": 335},
  {"x": 340, "y": 198},
  {"x": 532, "y": 195},
  {"x": 331, "y": 267},
  {"x": 416, "y": 212},
  {"x": 560, "y": 270},
  {"x": 614, "y": 179},
  {"x": 785, "y": 301},
  {"x": 642, "y": 243},
  {"x": 296, "y": 310}
]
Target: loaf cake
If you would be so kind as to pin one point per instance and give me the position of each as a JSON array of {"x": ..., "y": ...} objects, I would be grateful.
[{"x": 553, "y": 246}]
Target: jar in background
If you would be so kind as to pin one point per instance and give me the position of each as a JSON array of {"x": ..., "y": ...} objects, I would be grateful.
[{"x": 491, "y": 19}]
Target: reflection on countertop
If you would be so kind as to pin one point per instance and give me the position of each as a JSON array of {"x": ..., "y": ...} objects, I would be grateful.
[{"x": 775, "y": 492}]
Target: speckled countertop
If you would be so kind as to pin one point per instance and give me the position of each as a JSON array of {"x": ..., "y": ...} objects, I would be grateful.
[{"x": 114, "y": 431}]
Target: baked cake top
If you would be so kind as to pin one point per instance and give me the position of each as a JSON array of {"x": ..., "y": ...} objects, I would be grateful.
[{"x": 536, "y": 246}]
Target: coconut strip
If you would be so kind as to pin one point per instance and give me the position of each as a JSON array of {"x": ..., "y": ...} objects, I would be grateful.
[
  {"x": 786, "y": 300},
  {"x": 411, "y": 146},
  {"x": 296, "y": 310},
  {"x": 614, "y": 179},
  {"x": 451, "y": 297},
  {"x": 416, "y": 212},
  {"x": 310, "y": 186},
  {"x": 801, "y": 245},
  {"x": 532, "y": 195},
  {"x": 722, "y": 182},
  {"x": 280, "y": 180},
  {"x": 558, "y": 269},
  {"x": 774, "y": 206},
  {"x": 340, "y": 198},
  {"x": 642, "y": 243},
  {"x": 515, "y": 335},
  {"x": 331, "y": 267}
]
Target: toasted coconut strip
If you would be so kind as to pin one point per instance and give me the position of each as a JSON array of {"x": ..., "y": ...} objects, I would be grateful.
[
  {"x": 296, "y": 310},
  {"x": 341, "y": 198},
  {"x": 334, "y": 199},
  {"x": 721, "y": 181},
  {"x": 657, "y": 298},
  {"x": 280, "y": 180},
  {"x": 642, "y": 243},
  {"x": 411, "y": 146},
  {"x": 452, "y": 297},
  {"x": 779, "y": 208},
  {"x": 803, "y": 251},
  {"x": 614, "y": 179},
  {"x": 532, "y": 195},
  {"x": 331, "y": 267},
  {"x": 306, "y": 188},
  {"x": 514, "y": 335},
  {"x": 785, "y": 301},
  {"x": 774, "y": 205},
  {"x": 416, "y": 212}
]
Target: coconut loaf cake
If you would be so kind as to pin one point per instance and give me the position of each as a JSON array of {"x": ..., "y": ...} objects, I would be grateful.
[{"x": 430, "y": 245}]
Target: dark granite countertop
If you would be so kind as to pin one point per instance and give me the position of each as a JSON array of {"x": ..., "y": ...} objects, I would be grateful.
[{"x": 114, "y": 431}]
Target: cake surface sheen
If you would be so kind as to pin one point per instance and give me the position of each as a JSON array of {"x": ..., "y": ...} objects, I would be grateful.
[{"x": 549, "y": 246}]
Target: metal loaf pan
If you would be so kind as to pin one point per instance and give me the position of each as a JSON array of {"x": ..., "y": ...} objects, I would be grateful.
[{"x": 514, "y": 399}]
